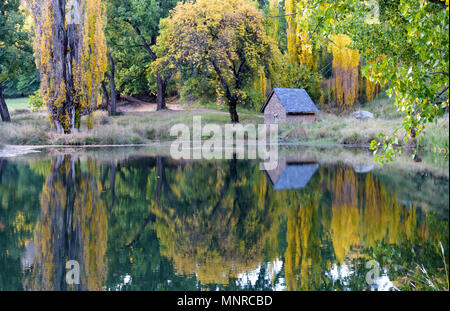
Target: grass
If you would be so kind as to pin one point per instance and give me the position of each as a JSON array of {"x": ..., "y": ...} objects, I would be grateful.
[
  {"x": 382, "y": 107},
  {"x": 436, "y": 136},
  {"x": 422, "y": 279},
  {"x": 346, "y": 130},
  {"x": 215, "y": 106},
  {"x": 17, "y": 103},
  {"x": 29, "y": 128}
]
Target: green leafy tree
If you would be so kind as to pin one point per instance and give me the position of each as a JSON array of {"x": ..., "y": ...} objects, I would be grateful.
[
  {"x": 133, "y": 26},
  {"x": 14, "y": 49}
]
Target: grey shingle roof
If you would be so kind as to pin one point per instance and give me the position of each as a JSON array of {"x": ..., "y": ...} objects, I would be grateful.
[
  {"x": 295, "y": 176},
  {"x": 293, "y": 101}
]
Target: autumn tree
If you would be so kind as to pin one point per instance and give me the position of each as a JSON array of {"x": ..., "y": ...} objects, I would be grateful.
[
  {"x": 70, "y": 50},
  {"x": 227, "y": 41},
  {"x": 345, "y": 71},
  {"x": 300, "y": 47},
  {"x": 404, "y": 44}
]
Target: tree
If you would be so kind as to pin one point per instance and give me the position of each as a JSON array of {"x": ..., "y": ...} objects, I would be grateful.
[
  {"x": 345, "y": 71},
  {"x": 70, "y": 49},
  {"x": 404, "y": 43},
  {"x": 13, "y": 48},
  {"x": 133, "y": 26},
  {"x": 225, "y": 40}
]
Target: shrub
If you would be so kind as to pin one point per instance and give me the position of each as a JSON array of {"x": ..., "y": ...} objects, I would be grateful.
[{"x": 36, "y": 102}]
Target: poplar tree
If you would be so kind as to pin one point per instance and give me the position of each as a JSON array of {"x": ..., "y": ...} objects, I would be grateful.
[{"x": 70, "y": 51}]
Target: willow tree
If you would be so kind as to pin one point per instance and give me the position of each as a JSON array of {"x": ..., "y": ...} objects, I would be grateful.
[
  {"x": 70, "y": 52},
  {"x": 225, "y": 40},
  {"x": 298, "y": 32},
  {"x": 273, "y": 22},
  {"x": 345, "y": 71},
  {"x": 413, "y": 36}
]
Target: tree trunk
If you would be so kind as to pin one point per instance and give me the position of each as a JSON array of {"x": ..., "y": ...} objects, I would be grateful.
[
  {"x": 3, "y": 108},
  {"x": 2, "y": 168},
  {"x": 233, "y": 112},
  {"x": 112, "y": 83},
  {"x": 112, "y": 185},
  {"x": 106, "y": 95},
  {"x": 161, "y": 176},
  {"x": 161, "y": 96}
]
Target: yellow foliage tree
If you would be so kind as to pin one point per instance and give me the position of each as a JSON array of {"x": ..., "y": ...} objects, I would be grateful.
[
  {"x": 273, "y": 20},
  {"x": 299, "y": 43},
  {"x": 372, "y": 87},
  {"x": 345, "y": 71},
  {"x": 70, "y": 52}
]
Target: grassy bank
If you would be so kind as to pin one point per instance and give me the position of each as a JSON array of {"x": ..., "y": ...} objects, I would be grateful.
[
  {"x": 29, "y": 128},
  {"x": 333, "y": 129},
  {"x": 342, "y": 128}
]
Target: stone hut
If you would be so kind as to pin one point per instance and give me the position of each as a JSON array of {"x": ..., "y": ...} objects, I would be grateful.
[{"x": 289, "y": 106}]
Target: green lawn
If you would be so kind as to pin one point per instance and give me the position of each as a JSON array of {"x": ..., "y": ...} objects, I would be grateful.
[{"x": 17, "y": 103}]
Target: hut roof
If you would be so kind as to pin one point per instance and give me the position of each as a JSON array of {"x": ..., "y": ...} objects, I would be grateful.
[
  {"x": 293, "y": 101},
  {"x": 295, "y": 176}
]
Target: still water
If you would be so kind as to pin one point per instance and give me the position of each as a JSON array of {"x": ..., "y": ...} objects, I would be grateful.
[{"x": 134, "y": 221}]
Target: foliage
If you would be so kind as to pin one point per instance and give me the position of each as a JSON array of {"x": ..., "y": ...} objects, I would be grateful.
[
  {"x": 13, "y": 42},
  {"x": 132, "y": 28},
  {"x": 227, "y": 41},
  {"x": 405, "y": 43},
  {"x": 16, "y": 64},
  {"x": 292, "y": 75},
  {"x": 73, "y": 38},
  {"x": 345, "y": 71},
  {"x": 300, "y": 46},
  {"x": 35, "y": 102}
]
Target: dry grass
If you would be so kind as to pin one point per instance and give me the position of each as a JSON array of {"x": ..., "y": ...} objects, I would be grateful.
[
  {"x": 346, "y": 130},
  {"x": 29, "y": 128}
]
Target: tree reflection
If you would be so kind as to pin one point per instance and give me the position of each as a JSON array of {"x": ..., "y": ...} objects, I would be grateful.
[
  {"x": 363, "y": 216},
  {"x": 153, "y": 223},
  {"x": 216, "y": 227},
  {"x": 72, "y": 226}
]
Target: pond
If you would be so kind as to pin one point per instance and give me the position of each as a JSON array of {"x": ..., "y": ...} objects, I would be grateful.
[{"x": 134, "y": 219}]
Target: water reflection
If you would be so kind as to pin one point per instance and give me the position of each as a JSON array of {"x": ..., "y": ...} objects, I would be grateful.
[
  {"x": 153, "y": 223},
  {"x": 292, "y": 172},
  {"x": 72, "y": 226}
]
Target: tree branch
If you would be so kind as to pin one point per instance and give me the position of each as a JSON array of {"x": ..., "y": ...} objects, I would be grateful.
[{"x": 144, "y": 41}]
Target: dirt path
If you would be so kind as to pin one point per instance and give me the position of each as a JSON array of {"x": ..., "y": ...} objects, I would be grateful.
[{"x": 138, "y": 106}]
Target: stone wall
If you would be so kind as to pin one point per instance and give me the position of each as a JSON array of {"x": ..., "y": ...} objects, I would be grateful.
[{"x": 274, "y": 107}]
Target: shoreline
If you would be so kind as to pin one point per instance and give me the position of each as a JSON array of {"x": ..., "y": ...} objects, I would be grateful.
[{"x": 325, "y": 154}]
